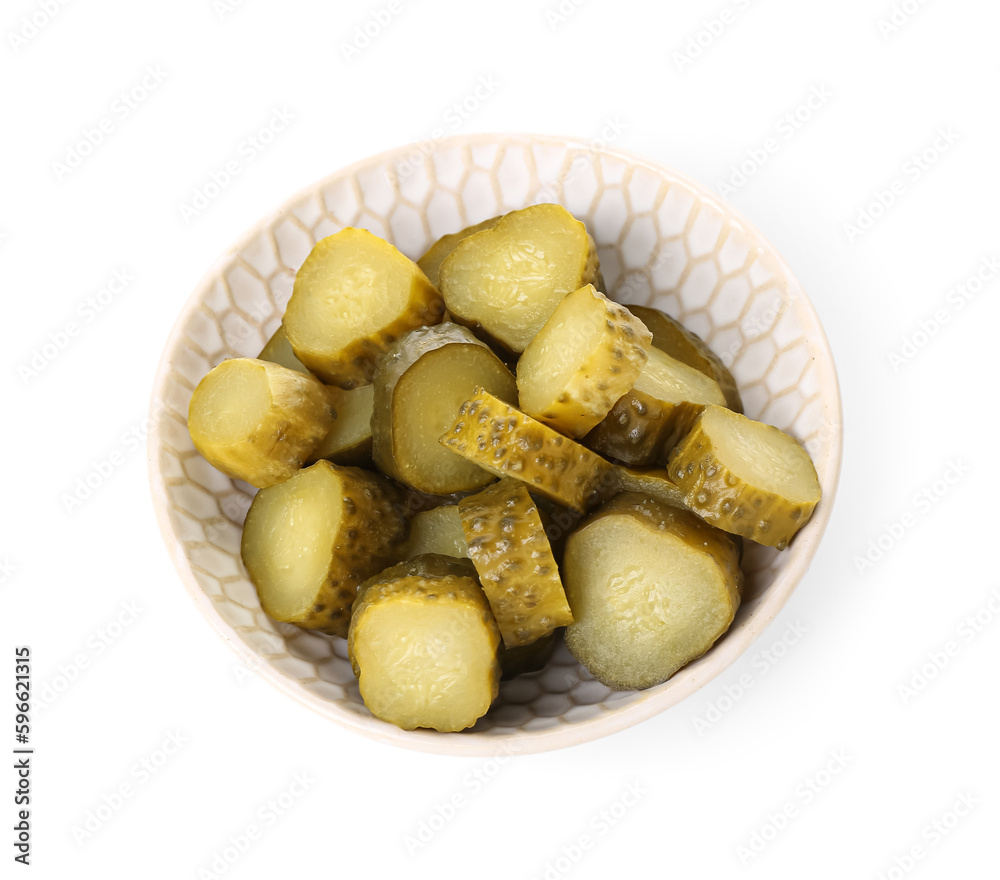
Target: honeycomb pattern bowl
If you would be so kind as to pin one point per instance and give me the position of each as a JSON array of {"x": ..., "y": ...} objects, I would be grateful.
[{"x": 662, "y": 239}]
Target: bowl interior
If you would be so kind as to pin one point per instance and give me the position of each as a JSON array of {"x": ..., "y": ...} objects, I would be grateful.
[{"x": 662, "y": 240}]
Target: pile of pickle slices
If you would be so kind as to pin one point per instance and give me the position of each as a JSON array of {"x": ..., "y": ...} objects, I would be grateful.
[{"x": 462, "y": 458}]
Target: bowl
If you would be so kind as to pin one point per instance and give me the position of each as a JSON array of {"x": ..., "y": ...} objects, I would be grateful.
[{"x": 663, "y": 240}]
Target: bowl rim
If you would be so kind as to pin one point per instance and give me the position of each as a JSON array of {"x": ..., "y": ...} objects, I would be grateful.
[{"x": 649, "y": 703}]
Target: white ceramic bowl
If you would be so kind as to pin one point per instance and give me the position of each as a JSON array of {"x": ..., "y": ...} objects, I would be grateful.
[{"x": 663, "y": 240}]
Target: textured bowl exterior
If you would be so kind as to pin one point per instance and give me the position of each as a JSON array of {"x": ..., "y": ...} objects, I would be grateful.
[{"x": 663, "y": 241}]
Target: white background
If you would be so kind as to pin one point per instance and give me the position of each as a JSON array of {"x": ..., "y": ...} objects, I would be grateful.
[{"x": 604, "y": 70}]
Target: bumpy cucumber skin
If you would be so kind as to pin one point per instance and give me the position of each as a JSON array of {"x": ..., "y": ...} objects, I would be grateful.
[
  {"x": 519, "y": 575},
  {"x": 724, "y": 500},
  {"x": 373, "y": 528},
  {"x": 675, "y": 339},
  {"x": 499, "y": 338},
  {"x": 400, "y": 357},
  {"x": 355, "y": 364},
  {"x": 279, "y": 447},
  {"x": 640, "y": 430},
  {"x": 658, "y": 517},
  {"x": 525, "y": 659},
  {"x": 607, "y": 374},
  {"x": 438, "y": 252},
  {"x": 506, "y": 442},
  {"x": 428, "y": 578}
]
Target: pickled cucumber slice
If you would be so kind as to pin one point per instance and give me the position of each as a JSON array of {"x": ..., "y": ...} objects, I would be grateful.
[
  {"x": 652, "y": 482},
  {"x": 673, "y": 338},
  {"x": 438, "y": 531},
  {"x": 651, "y": 587},
  {"x": 745, "y": 477},
  {"x": 278, "y": 350},
  {"x": 523, "y": 659},
  {"x": 423, "y": 645},
  {"x": 419, "y": 386},
  {"x": 506, "y": 442},
  {"x": 308, "y": 543},
  {"x": 587, "y": 355},
  {"x": 349, "y": 440},
  {"x": 645, "y": 423},
  {"x": 504, "y": 282},
  {"x": 507, "y": 544},
  {"x": 259, "y": 421},
  {"x": 431, "y": 262},
  {"x": 354, "y": 295}
]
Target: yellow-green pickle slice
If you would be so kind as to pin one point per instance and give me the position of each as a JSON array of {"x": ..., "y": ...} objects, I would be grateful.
[
  {"x": 505, "y": 281},
  {"x": 278, "y": 350},
  {"x": 507, "y": 544},
  {"x": 506, "y": 442},
  {"x": 423, "y": 645},
  {"x": 349, "y": 440},
  {"x": 354, "y": 295},
  {"x": 588, "y": 354},
  {"x": 645, "y": 423},
  {"x": 419, "y": 386},
  {"x": 654, "y": 482},
  {"x": 310, "y": 541},
  {"x": 745, "y": 477},
  {"x": 259, "y": 421},
  {"x": 673, "y": 338},
  {"x": 442, "y": 248},
  {"x": 438, "y": 531},
  {"x": 652, "y": 588}
]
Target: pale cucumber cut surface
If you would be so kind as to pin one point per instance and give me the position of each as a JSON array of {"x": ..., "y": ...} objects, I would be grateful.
[
  {"x": 745, "y": 477},
  {"x": 259, "y": 421},
  {"x": 423, "y": 645},
  {"x": 588, "y": 354}
]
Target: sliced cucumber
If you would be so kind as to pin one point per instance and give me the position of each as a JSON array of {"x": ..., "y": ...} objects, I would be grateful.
[
  {"x": 259, "y": 421},
  {"x": 645, "y": 423},
  {"x": 419, "y": 387},
  {"x": 673, "y": 338},
  {"x": 745, "y": 477},
  {"x": 588, "y": 354},
  {"x": 278, "y": 350},
  {"x": 438, "y": 531},
  {"x": 349, "y": 440},
  {"x": 505, "y": 281},
  {"x": 507, "y": 544},
  {"x": 506, "y": 442},
  {"x": 436, "y": 254},
  {"x": 651, "y": 587},
  {"x": 308, "y": 543},
  {"x": 423, "y": 645},
  {"x": 354, "y": 295}
]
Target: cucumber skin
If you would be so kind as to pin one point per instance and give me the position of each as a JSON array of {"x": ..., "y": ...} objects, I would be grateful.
[
  {"x": 370, "y": 534},
  {"x": 727, "y": 502},
  {"x": 640, "y": 430},
  {"x": 615, "y": 364},
  {"x": 519, "y": 575},
  {"x": 506, "y": 442},
  {"x": 400, "y": 358}
]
